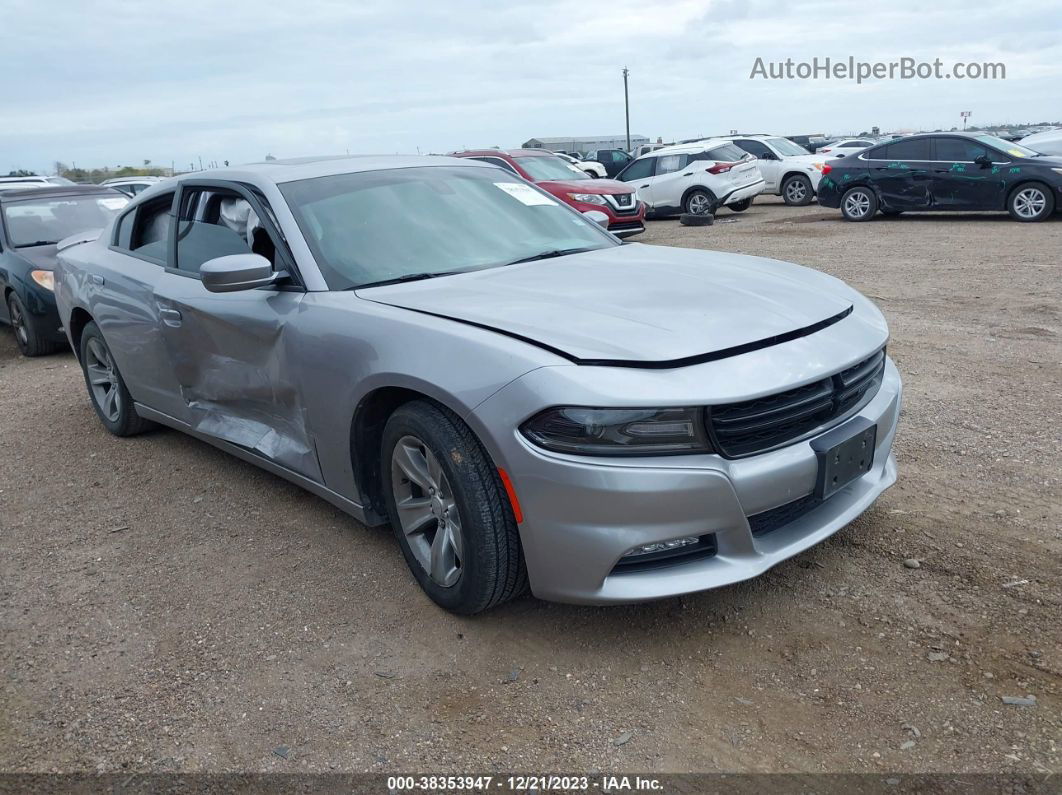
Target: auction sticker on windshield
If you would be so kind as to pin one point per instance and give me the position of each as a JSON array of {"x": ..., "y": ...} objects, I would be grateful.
[{"x": 524, "y": 193}]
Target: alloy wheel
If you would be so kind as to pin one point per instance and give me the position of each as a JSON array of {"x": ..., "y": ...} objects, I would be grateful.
[
  {"x": 427, "y": 510},
  {"x": 1029, "y": 202},
  {"x": 857, "y": 204},
  {"x": 18, "y": 323},
  {"x": 699, "y": 204},
  {"x": 103, "y": 379},
  {"x": 796, "y": 191}
]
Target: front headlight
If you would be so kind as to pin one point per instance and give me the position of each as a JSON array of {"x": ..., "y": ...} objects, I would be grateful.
[
  {"x": 45, "y": 279},
  {"x": 1057, "y": 170},
  {"x": 588, "y": 431},
  {"x": 588, "y": 198}
]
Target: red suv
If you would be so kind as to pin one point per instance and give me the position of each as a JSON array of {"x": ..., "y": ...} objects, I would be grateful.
[{"x": 626, "y": 215}]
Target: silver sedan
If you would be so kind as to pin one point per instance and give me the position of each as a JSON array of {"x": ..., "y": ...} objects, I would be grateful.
[{"x": 436, "y": 344}]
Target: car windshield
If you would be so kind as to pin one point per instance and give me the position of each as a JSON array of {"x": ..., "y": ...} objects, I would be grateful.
[
  {"x": 550, "y": 168},
  {"x": 43, "y": 221},
  {"x": 787, "y": 148},
  {"x": 1012, "y": 149},
  {"x": 397, "y": 224}
]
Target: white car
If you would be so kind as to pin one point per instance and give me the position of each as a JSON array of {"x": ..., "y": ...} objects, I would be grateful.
[
  {"x": 1048, "y": 142},
  {"x": 788, "y": 169},
  {"x": 34, "y": 181},
  {"x": 845, "y": 146},
  {"x": 595, "y": 170},
  {"x": 645, "y": 149},
  {"x": 131, "y": 186},
  {"x": 696, "y": 178}
]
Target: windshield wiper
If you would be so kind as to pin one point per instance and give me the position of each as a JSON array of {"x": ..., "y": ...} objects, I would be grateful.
[
  {"x": 557, "y": 252},
  {"x": 37, "y": 243},
  {"x": 409, "y": 277}
]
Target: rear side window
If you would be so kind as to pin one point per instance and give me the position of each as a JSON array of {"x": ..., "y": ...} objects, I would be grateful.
[
  {"x": 916, "y": 149},
  {"x": 727, "y": 153},
  {"x": 667, "y": 164},
  {"x": 497, "y": 161},
  {"x": 151, "y": 228}
]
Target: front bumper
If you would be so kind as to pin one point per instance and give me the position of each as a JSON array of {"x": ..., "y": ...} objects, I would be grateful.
[{"x": 582, "y": 515}]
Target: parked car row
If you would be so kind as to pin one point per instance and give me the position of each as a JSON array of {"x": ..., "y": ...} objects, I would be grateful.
[{"x": 944, "y": 171}]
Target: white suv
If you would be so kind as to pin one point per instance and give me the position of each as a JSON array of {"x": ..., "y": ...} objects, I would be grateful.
[
  {"x": 595, "y": 170},
  {"x": 695, "y": 178},
  {"x": 788, "y": 169}
]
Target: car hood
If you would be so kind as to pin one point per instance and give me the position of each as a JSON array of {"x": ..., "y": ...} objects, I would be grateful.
[
  {"x": 42, "y": 257},
  {"x": 611, "y": 186},
  {"x": 636, "y": 304}
]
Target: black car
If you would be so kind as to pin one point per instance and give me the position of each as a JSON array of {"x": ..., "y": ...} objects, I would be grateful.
[
  {"x": 614, "y": 160},
  {"x": 32, "y": 222},
  {"x": 943, "y": 171}
]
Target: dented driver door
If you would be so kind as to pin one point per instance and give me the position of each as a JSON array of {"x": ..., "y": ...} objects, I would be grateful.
[{"x": 229, "y": 351}]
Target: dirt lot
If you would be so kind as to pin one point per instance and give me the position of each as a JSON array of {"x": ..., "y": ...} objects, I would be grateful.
[{"x": 166, "y": 607}]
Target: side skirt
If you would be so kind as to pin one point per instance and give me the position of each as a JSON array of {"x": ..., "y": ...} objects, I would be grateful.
[{"x": 368, "y": 518}]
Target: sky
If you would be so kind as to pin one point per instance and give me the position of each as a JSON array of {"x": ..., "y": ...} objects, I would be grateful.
[{"x": 117, "y": 82}]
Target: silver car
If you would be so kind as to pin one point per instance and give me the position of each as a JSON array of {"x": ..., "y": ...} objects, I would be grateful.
[{"x": 437, "y": 344}]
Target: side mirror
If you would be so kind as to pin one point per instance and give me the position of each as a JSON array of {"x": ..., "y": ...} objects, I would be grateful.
[
  {"x": 237, "y": 272},
  {"x": 984, "y": 161},
  {"x": 598, "y": 218}
]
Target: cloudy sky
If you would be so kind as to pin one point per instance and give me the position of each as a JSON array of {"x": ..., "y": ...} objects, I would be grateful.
[{"x": 108, "y": 82}]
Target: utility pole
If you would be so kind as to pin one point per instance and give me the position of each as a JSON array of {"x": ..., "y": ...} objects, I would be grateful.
[{"x": 627, "y": 106}]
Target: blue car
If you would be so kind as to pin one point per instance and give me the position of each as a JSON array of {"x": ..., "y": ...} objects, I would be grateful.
[{"x": 32, "y": 222}]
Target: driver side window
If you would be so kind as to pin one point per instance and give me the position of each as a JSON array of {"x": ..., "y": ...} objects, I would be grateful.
[
  {"x": 754, "y": 148},
  {"x": 215, "y": 222}
]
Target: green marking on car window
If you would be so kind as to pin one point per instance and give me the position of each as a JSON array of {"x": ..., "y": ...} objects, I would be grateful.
[
  {"x": 958, "y": 167},
  {"x": 1016, "y": 170}
]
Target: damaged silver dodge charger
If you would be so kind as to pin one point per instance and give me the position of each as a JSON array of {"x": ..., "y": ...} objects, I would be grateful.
[{"x": 437, "y": 344}]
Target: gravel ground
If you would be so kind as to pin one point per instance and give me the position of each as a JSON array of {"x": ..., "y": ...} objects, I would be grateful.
[{"x": 166, "y": 607}]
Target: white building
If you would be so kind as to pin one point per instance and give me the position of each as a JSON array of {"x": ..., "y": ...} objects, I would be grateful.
[{"x": 585, "y": 144}]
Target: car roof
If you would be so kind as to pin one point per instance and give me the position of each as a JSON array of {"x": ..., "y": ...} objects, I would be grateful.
[
  {"x": 281, "y": 171},
  {"x": 53, "y": 191},
  {"x": 115, "y": 180},
  {"x": 693, "y": 146},
  {"x": 506, "y": 153}
]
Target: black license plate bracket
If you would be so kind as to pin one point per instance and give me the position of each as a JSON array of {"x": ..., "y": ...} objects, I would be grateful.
[{"x": 844, "y": 454}]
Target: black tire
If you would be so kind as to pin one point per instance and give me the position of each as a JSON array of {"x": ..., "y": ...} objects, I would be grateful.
[
  {"x": 859, "y": 204},
  {"x": 1019, "y": 202},
  {"x": 124, "y": 421},
  {"x": 741, "y": 206},
  {"x": 28, "y": 336},
  {"x": 892, "y": 213},
  {"x": 492, "y": 567},
  {"x": 797, "y": 190},
  {"x": 700, "y": 202},
  {"x": 696, "y": 220}
]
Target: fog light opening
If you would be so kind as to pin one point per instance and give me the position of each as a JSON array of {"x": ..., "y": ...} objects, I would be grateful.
[{"x": 662, "y": 546}]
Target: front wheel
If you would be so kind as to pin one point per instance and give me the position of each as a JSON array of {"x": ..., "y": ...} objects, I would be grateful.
[
  {"x": 859, "y": 204},
  {"x": 106, "y": 387},
  {"x": 449, "y": 510},
  {"x": 1033, "y": 202},
  {"x": 797, "y": 190},
  {"x": 28, "y": 337}
]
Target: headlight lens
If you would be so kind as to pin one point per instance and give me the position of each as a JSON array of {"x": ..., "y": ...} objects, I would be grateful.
[
  {"x": 1057, "y": 170},
  {"x": 589, "y": 431},
  {"x": 588, "y": 198},
  {"x": 45, "y": 279}
]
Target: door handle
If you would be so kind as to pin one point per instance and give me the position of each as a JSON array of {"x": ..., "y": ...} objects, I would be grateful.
[
  {"x": 95, "y": 278},
  {"x": 688, "y": 174},
  {"x": 171, "y": 317},
  {"x": 643, "y": 186}
]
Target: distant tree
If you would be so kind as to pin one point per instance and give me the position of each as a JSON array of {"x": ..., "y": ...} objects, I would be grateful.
[
  {"x": 147, "y": 163},
  {"x": 22, "y": 173}
]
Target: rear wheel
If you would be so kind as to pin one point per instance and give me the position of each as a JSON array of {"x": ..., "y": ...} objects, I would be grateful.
[
  {"x": 859, "y": 204},
  {"x": 1031, "y": 202},
  {"x": 107, "y": 390},
  {"x": 449, "y": 510},
  {"x": 700, "y": 202},
  {"x": 28, "y": 336},
  {"x": 797, "y": 191},
  {"x": 741, "y": 206}
]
